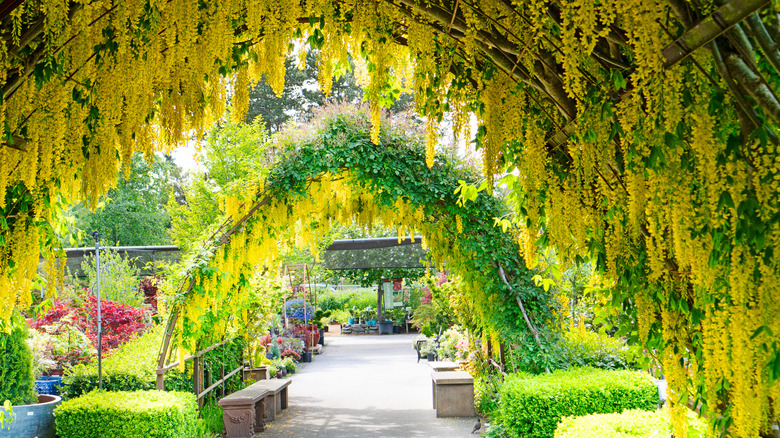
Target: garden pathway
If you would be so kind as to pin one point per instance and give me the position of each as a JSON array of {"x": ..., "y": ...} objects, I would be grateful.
[{"x": 364, "y": 386}]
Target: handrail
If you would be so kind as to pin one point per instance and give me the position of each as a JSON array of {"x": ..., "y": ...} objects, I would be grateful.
[{"x": 219, "y": 382}]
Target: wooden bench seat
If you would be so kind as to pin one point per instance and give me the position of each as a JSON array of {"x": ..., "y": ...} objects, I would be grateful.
[
  {"x": 244, "y": 412},
  {"x": 277, "y": 395}
]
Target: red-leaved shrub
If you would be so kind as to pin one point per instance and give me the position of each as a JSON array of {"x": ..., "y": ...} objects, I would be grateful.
[{"x": 120, "y": 322}]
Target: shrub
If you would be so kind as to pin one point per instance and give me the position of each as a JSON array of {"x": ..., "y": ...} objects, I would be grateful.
[
  {"x": 130, "y": 367},
  {"x": 629, "y": 424},
  {"x": 118, "y": 278},
  {"x": 531, "y": 407},
  {"x": 139, "y": 414},
  {"x": 133, "y": 366},
  {"x": 62, "y": 343},
  {"x": 587, "y": 348},
  {"x": 120, "y": 322},
  {"x": 17, "y": 382}
]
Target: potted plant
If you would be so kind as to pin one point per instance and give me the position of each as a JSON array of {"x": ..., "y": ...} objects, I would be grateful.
[
  {"x": 428, "y": 349},
  {"x": 33, "y": 416}
]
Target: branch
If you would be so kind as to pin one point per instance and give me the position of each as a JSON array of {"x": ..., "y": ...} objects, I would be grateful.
[
  {"x": 752, "y": 83},
  {"x": 530, "y": 325},
  {"x": 708, "y": 29},
  {"x": 768, "y": 45}
]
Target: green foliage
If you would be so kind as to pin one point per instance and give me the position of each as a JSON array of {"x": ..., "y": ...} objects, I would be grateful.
[
  {"x": 629, "y": 424},
  {"x": 118, "y": 278},
  {"x": 232, "y": 152},
  {"x": 17, "y": 382},
  {"x": 587, "y": 348},
  {"x": 130, "y": 367},
  {"x": 435, "y": 315},
  {"x": 448, "y": 342},
  {"x": 348, "y": 300},
  {"x": 531, "y": 407},
  {"x": 6, "y": 414},
  {"x": 340, "y": 316},
  {"x": 133, "y": 213},
  {"x": 211, "y": 414},
  {"x": 138, "y": 414}
]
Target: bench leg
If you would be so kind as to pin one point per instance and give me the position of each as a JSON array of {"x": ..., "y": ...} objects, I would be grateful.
[
  {"x": 239, "y": 422},
  {"x": 270, "y": 406},
  {"x": 284, "y": 398},
  {"x": 260, "y": 416}
]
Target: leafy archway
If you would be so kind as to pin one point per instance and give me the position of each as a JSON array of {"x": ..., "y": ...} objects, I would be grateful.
[{"x": 341, "y": 176}]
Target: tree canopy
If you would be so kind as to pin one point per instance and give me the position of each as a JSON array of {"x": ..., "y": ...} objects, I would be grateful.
[{"x": 641, "y": 134}]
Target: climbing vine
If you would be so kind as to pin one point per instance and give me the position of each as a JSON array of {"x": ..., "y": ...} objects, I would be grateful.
[
  {"x": 644, "y": 134},
  {"x": 339, "y": 177}
]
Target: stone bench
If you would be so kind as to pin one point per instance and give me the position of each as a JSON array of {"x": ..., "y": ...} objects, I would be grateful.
[
  {"x": 453, "y": 393},
  {"x": 244, "y": 412},
  {"x": 277, "y": 395},
  {"x": 444, "y": 366}
]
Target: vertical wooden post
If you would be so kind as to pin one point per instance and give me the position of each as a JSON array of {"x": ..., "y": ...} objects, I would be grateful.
[
  {"x": 223, "y": 370},
  {"x": 197, "y": 379},
  {"x": 501, "y": 351}
]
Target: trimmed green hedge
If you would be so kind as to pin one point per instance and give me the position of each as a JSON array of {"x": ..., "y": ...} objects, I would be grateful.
[
  {"x": 532, "y": 406},
  {"x": 139, "y": 414},
  {"x": 629, "y": 424}
]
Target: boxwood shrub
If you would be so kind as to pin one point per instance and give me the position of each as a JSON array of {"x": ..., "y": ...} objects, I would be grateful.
[
  {"x": 532, "y": 406},
  {"x": 138, "y": 414},
  {"x": 629, "y": 424}
]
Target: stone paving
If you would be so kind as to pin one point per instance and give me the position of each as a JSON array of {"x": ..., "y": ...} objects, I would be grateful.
[{"x": 364, "y": 386}]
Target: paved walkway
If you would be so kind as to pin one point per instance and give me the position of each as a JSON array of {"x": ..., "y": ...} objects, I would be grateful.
[{"x": 364, "y": 386}]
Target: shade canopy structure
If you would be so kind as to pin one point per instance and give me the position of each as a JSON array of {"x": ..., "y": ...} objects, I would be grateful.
[{"x": 375, "y": 253}]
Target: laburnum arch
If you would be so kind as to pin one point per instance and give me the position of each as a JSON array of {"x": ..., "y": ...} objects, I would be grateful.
[
  {"x": 644, "y": 134},
  {"x": 340, "y": 176}
]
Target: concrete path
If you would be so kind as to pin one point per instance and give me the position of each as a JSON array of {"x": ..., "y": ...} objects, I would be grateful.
[{"x": 364, "y": 386}]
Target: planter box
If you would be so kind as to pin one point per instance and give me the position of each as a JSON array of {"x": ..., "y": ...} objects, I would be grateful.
[
  {"x": 32, "y": 421},
  {"x": 257, "y": 373}
]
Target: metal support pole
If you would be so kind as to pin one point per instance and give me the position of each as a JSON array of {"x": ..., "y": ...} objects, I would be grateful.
[{"x": 96, "y": 235}]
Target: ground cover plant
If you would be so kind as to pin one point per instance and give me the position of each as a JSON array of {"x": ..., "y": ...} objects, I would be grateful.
[
  {"x": 532, "y": 406},
  {"x": 137, "y": 414}
]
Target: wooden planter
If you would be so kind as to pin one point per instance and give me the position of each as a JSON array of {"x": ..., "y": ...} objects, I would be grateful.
[{"x": 256, "y": 373}]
